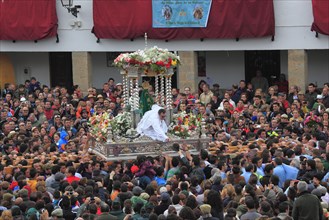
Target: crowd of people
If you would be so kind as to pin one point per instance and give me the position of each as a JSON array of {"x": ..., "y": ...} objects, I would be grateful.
[{"x": 268, "y": 157}]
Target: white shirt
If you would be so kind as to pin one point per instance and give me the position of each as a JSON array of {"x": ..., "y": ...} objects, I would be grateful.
[{"x": 152, "y": 126}]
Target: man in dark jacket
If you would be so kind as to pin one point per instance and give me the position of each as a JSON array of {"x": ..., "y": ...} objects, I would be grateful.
[
  {"x": 196, "y": 169},
  {"x": 105, "y": 209},
  {"x": 242, "y": 88},
  {"x": 306, "y": 206},
  {"x": 116, "y": 209},
  {"x": 164, "y": 204}
]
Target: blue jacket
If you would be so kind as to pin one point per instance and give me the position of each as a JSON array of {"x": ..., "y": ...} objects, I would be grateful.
[
  {"x": 62, "y": 141},
  {"x": 285, "y": 172}
]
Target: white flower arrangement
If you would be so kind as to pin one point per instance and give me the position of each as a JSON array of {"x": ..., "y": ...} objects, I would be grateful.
[
  {"x": 153, "y": 59},
  {"x": 121, "y": 124},
  {"x": 125, "y": 60}
]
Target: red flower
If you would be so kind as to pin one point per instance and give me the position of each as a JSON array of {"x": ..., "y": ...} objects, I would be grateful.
[{"x": 160, "y": 63}]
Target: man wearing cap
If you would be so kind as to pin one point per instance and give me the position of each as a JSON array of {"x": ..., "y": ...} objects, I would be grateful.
[
  {"x": 307, "y": 205},
  {"x": 318, "y": 105},
  {"x": 91, "y": 98},
  {"x": 57, "y": 214},
  {"x": 164, "y": 204},
  {"x": 100, "y": 98},
  {"x": 137, "y": 191},
  {"x": 216, "y": 91}
]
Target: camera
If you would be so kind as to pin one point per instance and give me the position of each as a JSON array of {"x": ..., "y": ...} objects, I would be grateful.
[
  {"x": 92, "y": 199},
  {"x": 210, "y": 120}
]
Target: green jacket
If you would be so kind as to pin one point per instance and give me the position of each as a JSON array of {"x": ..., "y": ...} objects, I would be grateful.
[
  {"x": 119, "y": 214},
  {"x": 106, "y": 216},
  {"x": 307, "y": 207}
]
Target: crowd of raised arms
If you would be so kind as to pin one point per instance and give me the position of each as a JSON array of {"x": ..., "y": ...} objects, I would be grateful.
[{"x": 268, "y": 157}]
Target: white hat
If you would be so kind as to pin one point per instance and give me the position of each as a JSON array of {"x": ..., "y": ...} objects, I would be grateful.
[
  {"x": 324, "y": 205},
  {"x": 319, "y": 97},
  {"x": 220, "y": 108},
  {"x": 23, "y": 99},
  {"x": 284, "y": 116},
  {"x": 163, "y": 190}
]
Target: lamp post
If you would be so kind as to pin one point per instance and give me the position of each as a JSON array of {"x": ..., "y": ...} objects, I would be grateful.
[
  {"x": 73, "y": 9},
  {"x": 67, "y": 3}
]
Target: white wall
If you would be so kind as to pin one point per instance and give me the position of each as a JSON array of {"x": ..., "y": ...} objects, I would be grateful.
[
  {"x": 37, "y": 63},
  {"x": 101, "y": 72},
  {"x": 225, "y": 68},
  {"x": 293, "y": 20},
  {"x": 318, "y": 66}
]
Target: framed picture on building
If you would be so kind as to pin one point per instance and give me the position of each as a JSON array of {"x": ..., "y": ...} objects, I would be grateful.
[
  {"x": 202, "y": 63},
  {"x": 110, "y": 56}
]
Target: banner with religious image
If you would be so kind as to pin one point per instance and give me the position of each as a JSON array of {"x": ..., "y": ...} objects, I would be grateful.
[
  {"x": 131, "y": 19},
  {"x": 180, "y": 13}
]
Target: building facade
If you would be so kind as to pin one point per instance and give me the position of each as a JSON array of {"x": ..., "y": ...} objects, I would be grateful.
[{"x": 79, "y": 59}]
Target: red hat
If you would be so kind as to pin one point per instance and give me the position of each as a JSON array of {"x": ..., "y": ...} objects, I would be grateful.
[
  {"x": 28, "y": 188},
  {"x": 134, "y": 169}
]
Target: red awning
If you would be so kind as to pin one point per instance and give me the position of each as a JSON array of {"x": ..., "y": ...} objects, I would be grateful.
[
  {"x": 27, "y": 20},
  {"x": 321, "y": 16},
  {"x": 127, "y": 19}
]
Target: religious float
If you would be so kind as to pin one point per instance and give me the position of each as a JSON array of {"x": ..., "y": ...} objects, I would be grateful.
[{"x": 116, "y": 137}]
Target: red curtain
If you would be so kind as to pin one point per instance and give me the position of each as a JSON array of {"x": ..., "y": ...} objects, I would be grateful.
[
  {"x": 127, "y": 19},
  {"x": 27, "y": 19},
  {"x": 321, "y": 16}
]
